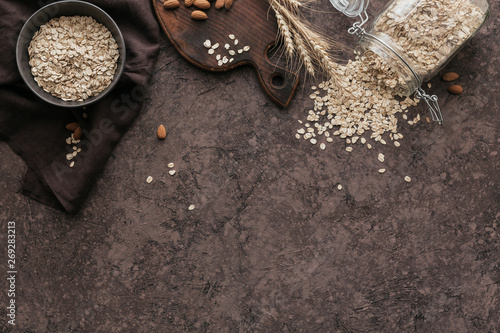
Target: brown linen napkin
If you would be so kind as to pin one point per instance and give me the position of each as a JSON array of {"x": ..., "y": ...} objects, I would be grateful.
[{"x": 36, "y": 130}]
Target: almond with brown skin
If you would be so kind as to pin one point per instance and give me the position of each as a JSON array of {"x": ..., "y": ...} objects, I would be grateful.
[
  {"x": 188, "y": 3},
  {"x": 199, "y": 15},
  {"x": 77, "y": 135},
  {"x": 202, "y": 4},
  {"x": 456, "y": 89},
  {"x": 161, "y": 132},
  {"x": 228, "y": 4},
  {"x": 72, "y": 126},
  {"x": 219, "y": 4},
  {"x": 448, "y": 77},
  {"x": 171, "y": 4}
]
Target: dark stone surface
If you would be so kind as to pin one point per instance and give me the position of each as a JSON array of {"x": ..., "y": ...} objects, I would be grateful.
[{"x": 272, "y": 245}]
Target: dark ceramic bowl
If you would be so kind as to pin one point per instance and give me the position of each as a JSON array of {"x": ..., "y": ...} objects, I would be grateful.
[{"x": 45, "y": 14}]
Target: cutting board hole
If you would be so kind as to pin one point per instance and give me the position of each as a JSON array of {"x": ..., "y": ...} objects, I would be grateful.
[{"x": 278, "y": 80}]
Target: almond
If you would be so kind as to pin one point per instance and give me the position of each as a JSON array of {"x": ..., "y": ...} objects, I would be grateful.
[
  {"x": 77, "y": 135},
  {"x": 171, "y": 4},
  {"x": 219, "y": 4},
  {"x": 188, "y": 3},
  {"x": 456, "y": 89},
  {"x": 450, "y": 76},
  {"x": 161, "y": 132},
  {"x": 198, "y": 15},
  {"x": 202, "y": 4},
  {"x": 72, "y": 126},
  {"x": 228, "y": 3}
]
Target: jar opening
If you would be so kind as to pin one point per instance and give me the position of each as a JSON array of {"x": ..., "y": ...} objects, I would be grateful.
[
  {"x": 407, "y": 82},
  {"x": 351, "y": 8}
]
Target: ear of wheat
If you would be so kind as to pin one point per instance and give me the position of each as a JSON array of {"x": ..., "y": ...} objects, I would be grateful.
[{"x": 302, "y": 44}]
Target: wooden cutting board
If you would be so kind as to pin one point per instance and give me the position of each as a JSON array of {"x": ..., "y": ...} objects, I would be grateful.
[{"x": 253, "y": 25}]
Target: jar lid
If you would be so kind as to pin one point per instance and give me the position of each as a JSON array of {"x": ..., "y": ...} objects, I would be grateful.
[{"x": 351, "y": 8}]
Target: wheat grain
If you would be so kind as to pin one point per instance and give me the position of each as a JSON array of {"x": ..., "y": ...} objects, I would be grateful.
[
  {"x": 285, "y": 33},
  {"x": 304, "y": 55}
]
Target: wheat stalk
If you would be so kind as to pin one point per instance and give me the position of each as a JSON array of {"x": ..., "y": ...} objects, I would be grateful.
[
  {"x": 303, "y": 54},
  {"x": 293, "y": 4},
  {"x": 319, "y": 47},
  {"x": 284, "y": 32},
  {"x": 301, "y": 41}
]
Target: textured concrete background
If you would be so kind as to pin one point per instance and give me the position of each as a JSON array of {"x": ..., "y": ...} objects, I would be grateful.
[{"x": 272, "y": 245}]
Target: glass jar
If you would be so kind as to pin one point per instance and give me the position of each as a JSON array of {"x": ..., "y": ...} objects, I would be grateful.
[{"x": 416, "y": 38}]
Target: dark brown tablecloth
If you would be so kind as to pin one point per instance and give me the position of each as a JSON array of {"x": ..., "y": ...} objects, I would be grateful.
[{"x": 36, "y": 130}]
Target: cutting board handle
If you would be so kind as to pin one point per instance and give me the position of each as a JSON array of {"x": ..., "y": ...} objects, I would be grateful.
[{"x": 279, "y": 83}]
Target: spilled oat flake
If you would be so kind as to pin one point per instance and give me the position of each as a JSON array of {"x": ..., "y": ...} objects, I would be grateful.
[{"x": 359, "y": 106}]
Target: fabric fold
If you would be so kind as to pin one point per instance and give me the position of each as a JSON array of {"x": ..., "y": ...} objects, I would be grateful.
[{"x": 35, "y": 130}]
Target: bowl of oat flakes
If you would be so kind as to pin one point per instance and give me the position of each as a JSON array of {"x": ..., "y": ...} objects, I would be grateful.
[{"x": 70, "y": 53}]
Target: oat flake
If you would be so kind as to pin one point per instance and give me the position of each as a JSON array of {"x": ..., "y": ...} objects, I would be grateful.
[{"x": 73, "y": 57}]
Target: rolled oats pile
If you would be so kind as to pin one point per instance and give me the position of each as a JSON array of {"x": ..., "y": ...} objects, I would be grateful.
[
  {"x": 367, "y": 93},
  {"x": 73, "y": 57},
  {"x": 360, "y": 104},
  {"x": 430, "y": 33}
]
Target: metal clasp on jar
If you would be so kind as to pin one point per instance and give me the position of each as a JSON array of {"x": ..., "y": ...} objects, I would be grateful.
[
  {"x": 357, "y": 27},
  {"x": 432, "y": 103}
]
